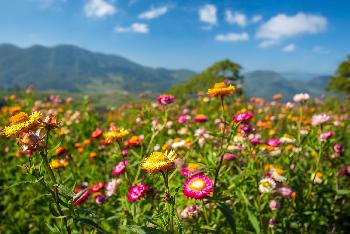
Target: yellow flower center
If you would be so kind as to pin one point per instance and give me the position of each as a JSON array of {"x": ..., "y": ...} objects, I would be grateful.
[
  {"x": 219, "y": 85},
  {"x": 266, "y": 184},
  {"x": 197, "y": 184}
]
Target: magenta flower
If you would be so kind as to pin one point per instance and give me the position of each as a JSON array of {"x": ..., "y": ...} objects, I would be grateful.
[
  {"x": 273, "y": 142},
  {"x": 136, "y": 192},
  {"x": 200, "y": 118},
  {"x": 165, "y": 99},
  {"x": 338, "y": 148},
  {"x": 100, "y": 199},
  {"x": 82, "y": 196},
  {"x": 242, "y": 117},
  {"x": 183, "y": 118},
  {"x": 198, "y": 187},
  {"x": 120, "y": 168}
]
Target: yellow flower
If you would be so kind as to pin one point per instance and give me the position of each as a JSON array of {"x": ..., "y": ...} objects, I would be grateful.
[
  {"x": 159, "y": 161},
  {"x": 115, "y": 134},
  {"x": 220, "y": 89},
  {"x": 22, "y": 122}
]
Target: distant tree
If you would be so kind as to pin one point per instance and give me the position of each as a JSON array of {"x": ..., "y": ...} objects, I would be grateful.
[
  {"x": 340, "y": 81},
  {"x": 217, "y": 72}
]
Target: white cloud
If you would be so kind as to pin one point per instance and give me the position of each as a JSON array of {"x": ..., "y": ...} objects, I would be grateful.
[
  {"x": 289, "y": 48},
  {"x": 320, "y": 50},
  {"x": 135, "y": 27},
  {"x": 154, "y": 13},
  {"x": 99, "y": 8},
  {"x": 207, "y": 14},
  {"x": 236, "y": 18},
  {"x": 267, "y": 43},
  {"x": 232, "y": 37},
  {"x": 283, "y": 26},
  {"x": 256, "y": 19}
]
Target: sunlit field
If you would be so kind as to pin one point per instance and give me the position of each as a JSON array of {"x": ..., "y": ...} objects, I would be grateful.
[{"x": 215, "y": 163}]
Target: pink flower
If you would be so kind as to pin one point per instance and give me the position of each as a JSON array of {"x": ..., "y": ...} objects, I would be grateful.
[
  {"x": 326, "y": 135},
  {"x": 273, "y": 142},
  {"x": 82, "y": 196},
  {"x": 125, "y": 152},
  {"x": 319, "y": 119},
  {"x": 242, "y": 117},
  {"x": 183, "y": 118},
  {"x": 274, "y": 205},
  {"x": 111, "y": 186},
  {"x": 229, "y": 156},
  {"x": 136, "y": 192},
  {"x": 284, "y": 191},
  {"x": 120, "y": 168},
  {"x": 198, "y": 187},
  {"x": 165, "y": 99},
  {"x": 192, "y": 211},
  {"x": 255, "y": 140}
]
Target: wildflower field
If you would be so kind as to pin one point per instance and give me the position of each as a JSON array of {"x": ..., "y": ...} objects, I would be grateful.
[{"x": 216, "y": 163}]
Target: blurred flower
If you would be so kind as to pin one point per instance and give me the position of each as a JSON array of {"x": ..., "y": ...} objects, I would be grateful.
[
  {"x": 326, "y": 135},
  {"x": 100, "y": 199},
  {"x": 165, "y": 99},
  {"x": 21, "y": 122},
  {"x": 338, "y": 148},
  {"x": 192, "y": 211},
  {"x": 273, "y": 142},
  {"x": 190, "y": 169},
  {"x": 81, "y": 196},
  {"x": 317, "y": 177},
  {"x": 242, "y": 117},
  {"x": 136, "y": 192},
  {"x": 200, "y": 118},
  {"x": 266, "y": 185},
  {"x": 272, "y": 223},
  {"x": 220, "y": 89},
  {"x": 284, "y": 191},
  {"x": 60, "y": 150},
  {"x": 96, "y": 187},
  {"x": 183, "y": 118},
  {"x": 274, "y": 205},
  {"x": 159, "y": 161},
  {"x": 319, "y": 119},
  {"x": 120, "y": 167},
  {"x": 198, "y": 187},
  {"x": 97, "y": 133},
  {"x": 111, "y": 186},
  {"x": 115, "y": 134},
  {"x": 301, "y": 97}
]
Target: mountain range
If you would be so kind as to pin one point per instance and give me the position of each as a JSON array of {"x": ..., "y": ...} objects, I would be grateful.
[{"x": 69, "y": 68}]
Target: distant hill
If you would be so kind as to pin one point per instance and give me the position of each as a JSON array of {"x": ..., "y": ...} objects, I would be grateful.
[
  {"x": 267, "y": 83},
  {"x": 70, "y": 68},
  {"x": 67, "y": 68}
]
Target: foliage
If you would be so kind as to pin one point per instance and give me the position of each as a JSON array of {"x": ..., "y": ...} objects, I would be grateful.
[{"x": 340, "y": 82}]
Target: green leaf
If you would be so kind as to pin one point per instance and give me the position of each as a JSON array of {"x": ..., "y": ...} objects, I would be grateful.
[
  {"x": 343, "y": 192},
  {"x": 179, "y": 224},
  {"x": 91, "y": 224},
  {"x": 253, "y": 220},
  {"x": 65, "y": 191},
  {"x": 227, "y": 212},
  {"x": 140, "y": 229}
]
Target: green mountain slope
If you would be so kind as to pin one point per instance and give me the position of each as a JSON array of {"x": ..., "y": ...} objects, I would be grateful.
[{"x": 70, "y": 68}]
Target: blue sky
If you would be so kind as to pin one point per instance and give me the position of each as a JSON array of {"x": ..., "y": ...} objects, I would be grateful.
[{"x": 282, "y": 35}]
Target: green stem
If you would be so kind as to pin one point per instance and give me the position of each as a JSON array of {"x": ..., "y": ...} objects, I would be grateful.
[
  {"x": 55, "y": 194},
  {"x": 170, "y": 204}
]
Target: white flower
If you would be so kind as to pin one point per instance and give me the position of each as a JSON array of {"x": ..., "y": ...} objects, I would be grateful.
[
  {"x": 266, "y": 185},
  {"x": 317, "y": 178},
  {"x": 301, "y": 97},
  {"x": 277, "y": 176}
]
